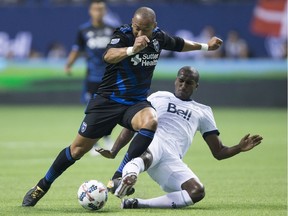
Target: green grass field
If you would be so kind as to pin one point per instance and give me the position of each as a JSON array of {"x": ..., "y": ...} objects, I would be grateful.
[{"x": 252, "y": 183}]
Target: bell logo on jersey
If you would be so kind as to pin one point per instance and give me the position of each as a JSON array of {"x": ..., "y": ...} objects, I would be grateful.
[{"x": 186, "y": 114}]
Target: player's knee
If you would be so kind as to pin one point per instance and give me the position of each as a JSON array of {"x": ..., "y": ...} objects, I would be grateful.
[
  {"x": 197, "y": 193},
  {"x": 147, "y": 158},
  {"x": 77, "y": 152},
  {"x": 195, "y": 189},
  {"x": 150, "y": 123}
]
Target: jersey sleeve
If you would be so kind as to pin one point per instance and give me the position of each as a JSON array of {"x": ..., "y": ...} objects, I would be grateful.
[
  {"x": 118, "y": 40},
  {"x": 207, "y": 123},
  {"x": 172, "y": 43},
  {"x": 79, "y": 44},
  {"x": 152, "y": 99}
]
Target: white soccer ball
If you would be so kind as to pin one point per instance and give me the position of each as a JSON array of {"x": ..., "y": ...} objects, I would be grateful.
[{"x": 92, "y": 195}]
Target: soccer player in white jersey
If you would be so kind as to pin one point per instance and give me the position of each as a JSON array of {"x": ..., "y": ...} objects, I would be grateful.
[{"x": 179, "y": 118}]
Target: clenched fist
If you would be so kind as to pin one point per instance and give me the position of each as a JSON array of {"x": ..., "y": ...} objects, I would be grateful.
[
  {"x": 140, "y": 43},
  {"x": 214, "y": 43}
]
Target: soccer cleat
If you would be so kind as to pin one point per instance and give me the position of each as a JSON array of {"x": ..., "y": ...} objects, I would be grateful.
[
  {"x": 126, "y": 185},
  {"x": 113, "y": 184},
  {"x": 131, "y": 203},
  {"x": 33, "y": 196}
]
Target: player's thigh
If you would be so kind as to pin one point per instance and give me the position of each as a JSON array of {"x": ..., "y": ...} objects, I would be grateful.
[
  {"x": 140, "y": 115},
  {"x": 171, "y": 174},
  {"x": 102, "y": 115},
  {"x": 180, "y": 173}
]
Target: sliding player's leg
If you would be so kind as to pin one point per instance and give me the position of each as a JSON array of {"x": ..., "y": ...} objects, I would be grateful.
[
  {"x": 182, "y": 185},
  {"x": 142, "y": 118},
  {"x": 131, "y": 171}
]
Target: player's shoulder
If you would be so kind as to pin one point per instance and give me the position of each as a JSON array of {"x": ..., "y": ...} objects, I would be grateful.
[
  {"x": 107, "y": 25},
  {"x": 162, "y": 94},
  {"x": 158, "y": 32},
  {"x": 125, "y": 29},
  {"x": 85, "y": 25},
  {"x": 202, "y": 107}
]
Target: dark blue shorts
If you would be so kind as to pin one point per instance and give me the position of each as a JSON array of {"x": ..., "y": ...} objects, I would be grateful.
[{"x": 103, "y": 114}]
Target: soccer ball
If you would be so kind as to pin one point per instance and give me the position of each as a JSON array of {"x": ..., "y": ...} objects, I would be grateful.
[{"x": 92, "y": 195}]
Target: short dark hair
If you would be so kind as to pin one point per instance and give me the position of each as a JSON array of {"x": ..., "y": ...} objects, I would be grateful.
[{"x": 191, "y": 70}]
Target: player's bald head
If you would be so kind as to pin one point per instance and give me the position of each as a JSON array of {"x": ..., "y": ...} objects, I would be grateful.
[
  {"x": 145, "y": 13},
  {"x": 144, "y": 22},
  {"x": 189, "y": 72}
]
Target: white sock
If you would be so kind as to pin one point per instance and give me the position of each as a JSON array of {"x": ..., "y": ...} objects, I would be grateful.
[
  {"x": 136, "y": 165},
  {"x": 176, "y": 199}
]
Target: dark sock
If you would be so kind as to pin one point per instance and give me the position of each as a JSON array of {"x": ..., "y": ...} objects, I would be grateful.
[
  {"x": 61, "y": 163},
  {"x": 137, "y": 147}
]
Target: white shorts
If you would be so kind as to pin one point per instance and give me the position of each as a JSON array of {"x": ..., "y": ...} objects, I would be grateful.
[{"x": 167, "y": 169}]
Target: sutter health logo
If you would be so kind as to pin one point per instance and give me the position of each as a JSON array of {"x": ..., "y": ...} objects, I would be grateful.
[{"x": 145, "y": 59}]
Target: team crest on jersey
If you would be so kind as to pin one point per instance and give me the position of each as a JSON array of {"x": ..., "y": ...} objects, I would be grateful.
[
  {"x": 83, "y": 127},
  {"x": 115, "y": 41},
  {"x": 156, "y": 45}
]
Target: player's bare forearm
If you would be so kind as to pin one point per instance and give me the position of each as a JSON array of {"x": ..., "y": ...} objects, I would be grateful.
[
  {"x": 213, "y": 44},
  {"x": 115, "y": 55},
  {"x": 73, "y": 55},
  {"x": 221, "y": 152},
  {"x": 227, "y": 152},
  {"x": 190, "y": 46},
  {"x": 122, "y": 140}
]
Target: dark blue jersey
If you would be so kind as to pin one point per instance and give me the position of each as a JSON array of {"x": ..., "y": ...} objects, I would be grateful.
[
  {"x": 128, "y": 81},
  {"x": 93, "y": 41}
]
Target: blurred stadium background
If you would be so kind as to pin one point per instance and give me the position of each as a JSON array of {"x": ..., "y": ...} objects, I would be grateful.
[
  {"x": 249, "y": 70},
  {"x": 247, "y": 76}
]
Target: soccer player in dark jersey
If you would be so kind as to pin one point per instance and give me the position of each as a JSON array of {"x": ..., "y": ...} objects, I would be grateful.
[
  {"x": 121, "y": 98},
  {"x": 92, "y": 39}
]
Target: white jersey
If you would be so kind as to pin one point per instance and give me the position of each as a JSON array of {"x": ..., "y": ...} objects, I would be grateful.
[{"x": 179, "y": 120}]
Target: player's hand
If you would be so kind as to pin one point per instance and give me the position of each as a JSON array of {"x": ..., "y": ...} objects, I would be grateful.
[
  {"x": 249, "y": 142},
  {"x": 105, "y": 153},
  {"x": 67, "y": 70},
  {"x": 140, "y": 43},
  {"x": 214, "y": 43}
]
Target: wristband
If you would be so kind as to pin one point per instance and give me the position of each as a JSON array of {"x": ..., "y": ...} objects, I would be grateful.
[
  {"x": 204, "y": 46},
  {"x": 129, "y": 51}
]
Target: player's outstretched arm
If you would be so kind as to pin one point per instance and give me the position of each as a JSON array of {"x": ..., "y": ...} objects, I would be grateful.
[
  {"x": 213, "y": 44},
  {"x": 115, "y": 55},
  {"x": 123, "y": 139},
  {"x": 73, "y": 55},
  {"x": 220, "y": 151}
]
